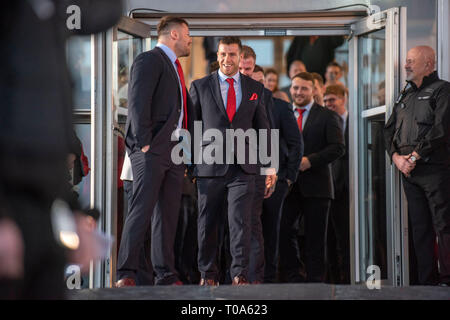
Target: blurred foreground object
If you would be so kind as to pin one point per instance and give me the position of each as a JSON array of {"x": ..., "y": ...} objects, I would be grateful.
[
  {"x": 36, "y": 131},
  {"x": 11, "y": 250}
]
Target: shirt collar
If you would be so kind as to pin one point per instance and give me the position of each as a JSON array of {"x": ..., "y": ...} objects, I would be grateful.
[
  {"x": 223, "y": 77},
  {"x": 307, "y": 107},
  {"x": 169, "y": 52},
  {"x": 344, "y": 116}
]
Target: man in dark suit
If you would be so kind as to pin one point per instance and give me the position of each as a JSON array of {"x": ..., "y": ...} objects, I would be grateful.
[
  {"x": 225, "y": 100},
  {"x": 313, "y": 191},
  {"x": 247, "y": 66},
  {"x": 263, "y": 253},
  {"x": 339, "y": 220},
  {"x": 158, "y": 107},
  {"x": 291, "y": 153}
]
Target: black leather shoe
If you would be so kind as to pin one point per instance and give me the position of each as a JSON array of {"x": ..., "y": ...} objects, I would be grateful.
[
  {"x": 208, "y": 282},
  {"x": 239, "y": 281},
  {"x": 125, "y": 282}
]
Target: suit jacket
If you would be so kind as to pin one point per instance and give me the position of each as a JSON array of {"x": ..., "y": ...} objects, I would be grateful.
[
  {"x": 324, "y": 143},
  {"x": 36, "y": 125},
  {"x": 209, "y": 108},
  {"x": 341, "y": 171},
  {"x": 291, "y": 140},
  {"x": 154, "y": 103}
]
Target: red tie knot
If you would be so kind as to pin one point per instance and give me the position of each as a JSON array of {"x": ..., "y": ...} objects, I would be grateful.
[
  {"x": 301, "y": 110},
  {"x": 230, "y": 81}
]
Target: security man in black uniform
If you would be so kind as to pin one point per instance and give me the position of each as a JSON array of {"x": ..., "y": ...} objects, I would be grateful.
[{"x": 417, "y": 138}]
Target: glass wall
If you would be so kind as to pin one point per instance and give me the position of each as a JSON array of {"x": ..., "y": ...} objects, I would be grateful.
[{"x": 79, "y": 62}]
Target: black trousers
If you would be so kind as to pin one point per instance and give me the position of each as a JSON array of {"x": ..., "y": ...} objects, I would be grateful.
[
  {"x": 186, "y": 241},
  {"x": 428, "y": 193},
  {"x": 157, "y": 187},
  {"x": 271, "y": 217},
  {"x": 339, "y": 246},
  {"x": 144, "y": 274},
  {"x": 315, "y": 214},
  {"x": 256, "y": 271},
  {"x": 237, "y": 188}
]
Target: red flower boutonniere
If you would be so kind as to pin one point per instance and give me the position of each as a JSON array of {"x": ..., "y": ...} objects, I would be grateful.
[{"x": 254, "y": 97}]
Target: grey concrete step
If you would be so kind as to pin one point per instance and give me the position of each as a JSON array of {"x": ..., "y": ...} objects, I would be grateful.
[{"x": 304, "y": 291}]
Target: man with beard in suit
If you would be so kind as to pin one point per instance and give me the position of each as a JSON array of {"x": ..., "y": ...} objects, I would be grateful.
[
  {"x": 225, "y": 100},
  {"x": 158, "y": 107},
  {"x": 311, "y": 195}
]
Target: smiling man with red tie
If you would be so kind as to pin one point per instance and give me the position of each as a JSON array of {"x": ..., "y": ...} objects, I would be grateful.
[
  {"x": 313, "y": 191},
  {"x": 227, "y": 99},
  {"x": 158, "y": 106}
]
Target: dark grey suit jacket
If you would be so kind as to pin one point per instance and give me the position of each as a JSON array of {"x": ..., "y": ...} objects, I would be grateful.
[
  {"x": 154, "y": 103},
  {"x": 324, "y": 143},
  {"x": 209, "y": 108},
  {"x": 291, "y": 140},
  {"x": 341, "y": 170}
]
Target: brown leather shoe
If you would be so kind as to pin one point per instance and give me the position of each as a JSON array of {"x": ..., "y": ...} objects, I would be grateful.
[
  {"x": 208, "y": 282},
  {"x": 239, "y": 281},
  {"x": 125, "y": 282}
]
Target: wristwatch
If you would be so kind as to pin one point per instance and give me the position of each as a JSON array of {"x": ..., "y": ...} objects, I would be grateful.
[{"x": 413, "y": 159}]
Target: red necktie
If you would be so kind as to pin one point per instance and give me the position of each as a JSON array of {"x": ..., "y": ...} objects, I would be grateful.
[
  {"x": 183, "y": 88},
  {"x": 300, "y": 118},
  {"x": 231, "y": 100}
]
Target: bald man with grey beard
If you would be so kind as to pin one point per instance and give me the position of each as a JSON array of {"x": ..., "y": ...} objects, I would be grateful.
[{"x": 417, "y": 139}]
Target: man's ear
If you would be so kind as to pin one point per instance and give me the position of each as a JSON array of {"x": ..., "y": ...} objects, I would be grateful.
[{"x": 174, "y": 34}]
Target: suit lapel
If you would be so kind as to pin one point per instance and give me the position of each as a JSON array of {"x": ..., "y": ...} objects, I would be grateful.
[
  {"x": 312, "y": 115},
  {"x": 215, "y": 90},
  {"x": 245, "y": 95}
]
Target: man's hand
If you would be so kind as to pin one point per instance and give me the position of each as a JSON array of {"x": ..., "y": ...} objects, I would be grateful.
[
  {"x": 270, "y": 185},
  {"x": 415, "y": 154},
  {"x": 271, "y": 180},
  {"x": 145, "y": 148},
  {"x": 305, "y": 164},
  {"x": 403, "y": 164}
]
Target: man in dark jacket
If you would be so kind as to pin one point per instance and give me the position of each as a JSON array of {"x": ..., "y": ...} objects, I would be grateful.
[
  {"x": 313, "y": 190},
  {"x": 36, "y": 130},
  {"x": 417, "y": 139}
]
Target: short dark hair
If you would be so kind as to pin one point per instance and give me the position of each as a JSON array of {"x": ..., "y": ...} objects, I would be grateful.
[
  {"x": 248, "y": 52},
  {"x": 231, "y": 40},
  {"x": 258, "y": 68},
  {"x": 317, "y": 77},
  {"x": 271, "y": 70},
  {"x": 167, "y": 23},
  {"x": 305, "y": 76},
  {"x": 336, "y": 89},
  {"x": 334, "y": 64}
]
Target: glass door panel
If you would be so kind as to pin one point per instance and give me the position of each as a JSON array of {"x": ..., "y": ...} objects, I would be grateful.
[
  {"x": 372, "y": 171},
  {"x": 130, "y": 38},
  {"x": 375, "y": 51}
]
